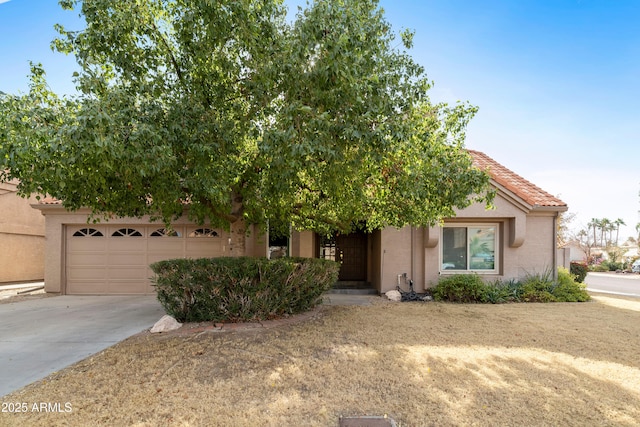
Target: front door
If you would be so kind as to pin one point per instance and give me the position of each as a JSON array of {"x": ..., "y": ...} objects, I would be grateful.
[{"x": 351, "y": 251}]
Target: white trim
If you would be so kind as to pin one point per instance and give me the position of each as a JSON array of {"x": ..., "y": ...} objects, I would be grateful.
[{"x": 467, "y": 225}]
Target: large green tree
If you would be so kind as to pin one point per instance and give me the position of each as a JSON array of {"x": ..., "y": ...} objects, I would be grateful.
[{"x": 227, "y": 107}]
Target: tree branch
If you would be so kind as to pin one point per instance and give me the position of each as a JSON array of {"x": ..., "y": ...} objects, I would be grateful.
[{"x": 174, "y": 62}]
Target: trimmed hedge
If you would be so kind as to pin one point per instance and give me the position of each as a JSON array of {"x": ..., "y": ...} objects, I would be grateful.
[
  {"x": 241, "y": 289},
  {"x": 468, "y": 288},
  {"x": 460, "y": 288}
]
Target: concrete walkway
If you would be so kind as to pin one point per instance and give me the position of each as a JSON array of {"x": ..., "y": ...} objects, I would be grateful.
[
  {"x": 347, "y": 299},
  {"x": 41, "y": 336}
]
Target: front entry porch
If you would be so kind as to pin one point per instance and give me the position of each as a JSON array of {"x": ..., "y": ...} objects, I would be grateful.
[{"x": 351, "y": 250}]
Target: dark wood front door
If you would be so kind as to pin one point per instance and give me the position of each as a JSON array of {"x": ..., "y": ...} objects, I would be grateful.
[{"x": 351, "y": 251}]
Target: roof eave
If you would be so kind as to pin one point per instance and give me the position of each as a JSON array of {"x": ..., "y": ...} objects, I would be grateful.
[
  {"x": 512, "y": 197},
  {"x": 539, "y": 208}
]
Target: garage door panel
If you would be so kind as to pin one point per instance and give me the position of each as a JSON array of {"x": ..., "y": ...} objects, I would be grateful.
[
  {"x": 163, "y": 245},
  {"x": 87, "y": 259},
  {"x": 90, "y": 244},
  {"x": 88, "y": 273},
  {"x": 114, "y": 259},
  {"x": 138, "y": 272},
  {"x": 127, "y": 244},
  {"x": 206, "y": 253},
  {"x": 204, "y": 247},
  {"x": 126, "y": 259}
]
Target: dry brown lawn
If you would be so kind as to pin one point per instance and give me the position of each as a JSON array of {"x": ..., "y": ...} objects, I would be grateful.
[{"x": 421, "y": 363}]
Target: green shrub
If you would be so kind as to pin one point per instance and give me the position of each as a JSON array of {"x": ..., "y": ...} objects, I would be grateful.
[
  {"x": 515, "y": 290},
  {"x": 612, "y": 266},
  {"x": 567, "y": 289},
  {"x": 537, "y": 288},
  {"x": 580, "y": 270},
  {"x": 242, "y": 288},
  {"x": 600, "y": 268},
  {"x": 460, "y": 288},
  {"x": 498, "y": 292}
]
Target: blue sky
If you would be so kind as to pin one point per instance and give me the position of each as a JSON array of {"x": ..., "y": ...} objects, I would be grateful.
[{"x": 557, "y": 83}]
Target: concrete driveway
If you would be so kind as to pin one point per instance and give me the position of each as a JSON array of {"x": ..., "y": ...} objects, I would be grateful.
[{"x": 41, "y": 336}]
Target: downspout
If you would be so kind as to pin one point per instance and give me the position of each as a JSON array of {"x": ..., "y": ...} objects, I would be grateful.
[
  {"x": 413, "y": 273},
  {"x": 554, "y": 246},
  {"x": 384, "y": 251}
]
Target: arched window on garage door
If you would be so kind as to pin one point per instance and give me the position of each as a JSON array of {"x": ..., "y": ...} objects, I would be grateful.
[
  {"x": 165, "y": 232},
  {"x": 126, "y": 232},
  {"x": 203, "y": 232},
  {"x": 88, "y": 232}
]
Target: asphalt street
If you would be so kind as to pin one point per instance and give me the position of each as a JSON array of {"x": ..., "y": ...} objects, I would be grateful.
[{"x": 624, "y": 284}]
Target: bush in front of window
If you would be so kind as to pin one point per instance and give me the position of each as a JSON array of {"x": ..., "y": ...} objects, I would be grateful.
[
  {"x": 538, "y": 287},
  {"x": 499, "y": 292},
  {"x": 241, "y": 289},
  {"x": 460, "y": 288}
]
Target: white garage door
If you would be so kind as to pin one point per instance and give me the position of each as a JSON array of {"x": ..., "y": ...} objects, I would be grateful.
[{"x": 114, "y": 259}]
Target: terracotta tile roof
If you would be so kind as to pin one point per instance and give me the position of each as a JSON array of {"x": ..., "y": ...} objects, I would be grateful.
[{"x": 527, "y": 191}]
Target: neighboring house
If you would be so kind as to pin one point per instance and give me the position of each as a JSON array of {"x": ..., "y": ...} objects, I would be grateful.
[
  {"x": 21, "y": 237},
  {"x": 516, "y": 238},
  {"x": 572, "y": 251}
]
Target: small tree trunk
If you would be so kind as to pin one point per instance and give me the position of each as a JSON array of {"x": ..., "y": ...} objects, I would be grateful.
[
  {"x": 238, "y": 234},
  {"x": 238, "y": 227}
]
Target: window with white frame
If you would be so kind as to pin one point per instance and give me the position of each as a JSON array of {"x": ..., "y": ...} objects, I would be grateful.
[{"x": 469, "y": 248}]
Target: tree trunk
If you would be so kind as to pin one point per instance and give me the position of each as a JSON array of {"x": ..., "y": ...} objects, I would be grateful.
[
  {"x": 238, "y": 227},
  {"x": 238, "y": 233}
]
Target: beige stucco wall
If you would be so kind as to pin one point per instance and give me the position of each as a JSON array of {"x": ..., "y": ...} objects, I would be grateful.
[
  {"x": 401, "y": 253},
  {"x": 56, "y": 219},
  {"x": 22, "y": 240},
  {"x": 303, "y": 244},
  {"x": 527, "y": 241},
  {"x": 526, "y": 244}
]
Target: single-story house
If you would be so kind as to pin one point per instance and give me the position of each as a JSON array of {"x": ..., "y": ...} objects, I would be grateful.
[
  {"x": 21, "y": 237},
  {"x": 516, "y": 238}
]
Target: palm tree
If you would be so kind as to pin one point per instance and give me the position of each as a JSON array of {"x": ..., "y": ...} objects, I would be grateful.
[
  {"x": 610, "y": 227},
  {"x": 618, "y": 222},
  {"x": 600, "y": 223},
  {"x": 593, "y": 223}
]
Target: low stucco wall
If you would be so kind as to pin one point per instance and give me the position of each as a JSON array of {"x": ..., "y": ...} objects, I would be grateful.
[{"x": 22, "y": 258}]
